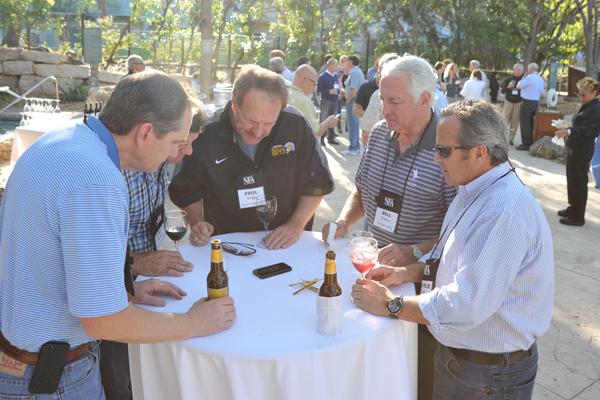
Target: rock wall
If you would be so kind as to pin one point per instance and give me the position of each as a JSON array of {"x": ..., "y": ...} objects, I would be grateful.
[{"x": 22, "y": 69}]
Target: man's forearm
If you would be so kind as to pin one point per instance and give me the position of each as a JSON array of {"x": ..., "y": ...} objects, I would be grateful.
[
  {"x": 195, "y": 213},
  {"x": 349, "y": 94},
  {"x": 358, "y": 110},
  {"x": 322, "y": 129},
  {"x": 411, "y": 311},
  {"x": 137, "y": 325},
  {"x": 353, "y": 209},
  {"x": 306, "y": 208}
]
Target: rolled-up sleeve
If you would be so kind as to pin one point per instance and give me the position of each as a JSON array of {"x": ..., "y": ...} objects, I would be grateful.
[{"x": 483, "y": 273}]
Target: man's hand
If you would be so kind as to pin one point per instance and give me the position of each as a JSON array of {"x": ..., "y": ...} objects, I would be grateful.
[
  {"x": 396, "y": 255},
  {"x": 200, "y": 233},
  {"x": 212, "y": 316},
  {"x": 388, "y": 276},
  {"x": 150, "y": 292},
  {"x": 283, "y": 236},
  {"x": 341, "y": 231},
  {"x": 371, "y": 296},
  {"x": 162, "y": 262},
  {"x": 331, "y": 121}
]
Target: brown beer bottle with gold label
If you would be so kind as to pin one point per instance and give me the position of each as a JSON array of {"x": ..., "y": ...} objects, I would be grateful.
[
  {"x": 330, "y": 286},
  {"x": 217, "y": 280}
]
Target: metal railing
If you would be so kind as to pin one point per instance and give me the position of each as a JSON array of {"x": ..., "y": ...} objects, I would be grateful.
[{"x": 23, "y": 96}]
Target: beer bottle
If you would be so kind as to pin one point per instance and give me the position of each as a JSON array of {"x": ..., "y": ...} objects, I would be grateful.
[
  {"x": 330, "y": 286},
  {"x": 217, "y": 280}
]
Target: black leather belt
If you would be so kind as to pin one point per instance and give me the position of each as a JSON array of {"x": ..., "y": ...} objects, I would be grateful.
[{"x": 478, "y": 357}]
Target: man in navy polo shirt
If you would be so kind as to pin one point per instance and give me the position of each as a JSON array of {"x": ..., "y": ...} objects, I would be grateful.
[{"x": 328, "y": 88}]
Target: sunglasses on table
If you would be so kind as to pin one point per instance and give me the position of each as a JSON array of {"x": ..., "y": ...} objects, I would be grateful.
[
  {"x": 238, "y": 249},
  {"x": 445, "y": 151}
]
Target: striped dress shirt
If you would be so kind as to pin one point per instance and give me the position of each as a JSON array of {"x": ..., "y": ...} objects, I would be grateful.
[
  {"x": 63, "y": 235},
  {"x": 494, "y": 289},
  {"x": 426, "y": 197}
]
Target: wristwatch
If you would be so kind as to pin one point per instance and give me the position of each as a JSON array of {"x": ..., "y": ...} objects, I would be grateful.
[
  {"x": 394, "y": 306},
  {"x": 417, "y": 252}
]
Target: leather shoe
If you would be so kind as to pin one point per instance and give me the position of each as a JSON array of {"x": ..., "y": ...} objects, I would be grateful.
[
  {"x": 511, "y": 143},
  {"x": 522, "y": 147},
  {"x": 563, "y": 213},
  {"x": 333, "y": 141},
  {"x": 571, "y": 222}
]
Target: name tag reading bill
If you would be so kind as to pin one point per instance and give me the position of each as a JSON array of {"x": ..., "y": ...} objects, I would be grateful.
[
  {"x": 515, "y": 92},
  {"x": 385, "y": 219},
  {"x": 251, "y": 197}
]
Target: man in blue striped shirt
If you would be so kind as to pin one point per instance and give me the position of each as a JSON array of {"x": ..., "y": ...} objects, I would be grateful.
[
  {"x": 485, "y": 306},
  {"x": 63, "y": 235}
]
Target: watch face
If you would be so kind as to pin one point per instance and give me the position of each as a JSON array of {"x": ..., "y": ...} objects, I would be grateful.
[{"x": 393, "y": 306}]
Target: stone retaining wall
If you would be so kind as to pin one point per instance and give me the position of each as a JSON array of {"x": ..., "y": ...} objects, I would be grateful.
[{"x": 22, "y": 69}]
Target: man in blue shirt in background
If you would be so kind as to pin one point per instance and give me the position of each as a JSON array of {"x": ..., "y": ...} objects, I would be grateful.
[{"x": 532, "y": 90}]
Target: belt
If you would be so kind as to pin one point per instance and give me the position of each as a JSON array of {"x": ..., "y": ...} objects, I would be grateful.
[
  {"x": 32, "y": 358},
  {"x": 503, "y": 359}
]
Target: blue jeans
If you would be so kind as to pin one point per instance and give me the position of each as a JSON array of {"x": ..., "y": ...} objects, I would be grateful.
[
  {"x": 596, "y": 163},
  {"x": 80, "y": 380},
  {"x": 353, "y": 130},
  {"x": 455, "y": 378}
]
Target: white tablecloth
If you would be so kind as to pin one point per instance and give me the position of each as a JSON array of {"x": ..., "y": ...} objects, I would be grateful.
[
  {"x": 25, "y": 136},
  {"x": 273, "y": 350}
]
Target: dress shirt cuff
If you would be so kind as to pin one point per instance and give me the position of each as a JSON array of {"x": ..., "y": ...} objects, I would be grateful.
[{"x": 427, "y": 307}]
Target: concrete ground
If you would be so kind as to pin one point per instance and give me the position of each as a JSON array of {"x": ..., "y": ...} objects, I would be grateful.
[{"x": 569, "y": 361}]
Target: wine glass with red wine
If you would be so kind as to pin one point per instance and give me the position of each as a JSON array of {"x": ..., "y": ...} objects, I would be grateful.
[
  {"x": 176, "y": 225},
  {"x": 265, "y": 213},
  {"x": 363, "y": 254}
]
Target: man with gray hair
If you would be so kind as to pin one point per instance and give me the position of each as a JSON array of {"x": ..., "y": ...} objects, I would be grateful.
[
  {"x": 485, "y": 306},
  {"x": 277, "y": 65},
  {"x": 67, "y": 288},
  {"x": 135, "y": 64},
  {"x": 399, "y": 187},
  {"x": 512, "y": 103},
  {"x": 254, "y": 148},
  {"x": 532, "y": 90}
]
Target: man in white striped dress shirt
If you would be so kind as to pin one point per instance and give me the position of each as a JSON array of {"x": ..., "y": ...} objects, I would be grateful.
[
  {"x": 486, "y": 306},
  {"x": 63, "y": 235}
]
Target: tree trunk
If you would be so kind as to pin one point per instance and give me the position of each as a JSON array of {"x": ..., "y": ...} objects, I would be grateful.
[
  {"x": 206, "y": 46},
  {"x": 591, "y": 66},
  {"x": 12, "y": 35}
]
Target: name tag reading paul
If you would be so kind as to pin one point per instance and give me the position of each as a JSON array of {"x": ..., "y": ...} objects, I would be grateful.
[{"x": 251, "y": 197}]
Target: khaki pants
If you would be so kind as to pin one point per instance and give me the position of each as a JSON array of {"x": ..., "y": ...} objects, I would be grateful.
[{"x": 511, "y": 114}]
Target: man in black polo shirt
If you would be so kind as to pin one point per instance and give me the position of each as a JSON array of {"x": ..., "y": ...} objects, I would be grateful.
[
  {"x": 254, "y": 148},
  {"x": 512, "y": 104}
]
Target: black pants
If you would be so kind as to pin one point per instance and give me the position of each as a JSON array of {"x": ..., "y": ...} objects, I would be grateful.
[
  {"x": 578, "y": 165},
  {"x": 328, "y": 107},
  {"x": 527, "y": 112},
  {"x": 114, "y": 370}
]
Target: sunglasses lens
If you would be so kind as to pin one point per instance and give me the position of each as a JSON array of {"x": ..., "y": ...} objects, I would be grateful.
[{"x": 444, "y": 152}]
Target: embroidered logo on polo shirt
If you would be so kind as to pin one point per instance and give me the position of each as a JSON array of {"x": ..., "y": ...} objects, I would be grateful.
[{"x": 289, "y": 147}]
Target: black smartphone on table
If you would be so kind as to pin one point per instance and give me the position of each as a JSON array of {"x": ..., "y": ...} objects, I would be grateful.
[
  {"x": 48, "y": 371},
  {"x": 272, "y": 270}
]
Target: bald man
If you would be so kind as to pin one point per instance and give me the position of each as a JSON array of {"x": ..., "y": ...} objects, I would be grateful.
[{"x": 303, "y": 85}]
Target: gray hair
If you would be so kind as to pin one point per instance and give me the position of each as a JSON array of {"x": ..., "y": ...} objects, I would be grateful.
[
  {"x": 331, "y": 61},
  {"x": 277, "y": 65},
  {"x": 533, "y": 66},
  {"x": 519, "y": 66},
  {"x": 422, "y": 76},
  {"x": 481, "y": 124},
  {"x": 387, "y": 57},
  {"x": 149, "y": 96},
  {"x": 133, "y": 60},
  {"x": 475, "y": 64}
]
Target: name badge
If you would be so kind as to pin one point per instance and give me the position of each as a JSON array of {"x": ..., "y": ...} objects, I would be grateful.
[
  {"x": 251, "y": 197},
  {"x": 515, "y": 92},
  {"x": 429, "y": 274},
  {"x": 388, "y": 211}
]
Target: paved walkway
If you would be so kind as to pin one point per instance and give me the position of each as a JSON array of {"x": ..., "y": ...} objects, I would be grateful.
[{"x": 569, "y": 365}]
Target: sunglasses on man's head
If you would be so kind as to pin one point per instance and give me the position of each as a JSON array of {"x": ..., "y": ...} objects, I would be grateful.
[
  {"x": 445, "y": 151},
  {"x": 238, "y": 249}
]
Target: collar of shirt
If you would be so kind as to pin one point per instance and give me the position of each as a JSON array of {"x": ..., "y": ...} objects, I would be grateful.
[
  {"x": 106, "y": 137},
  {"x": 427, "y": 143},
  {"x": 466, "y": 193},
  {"x": 297, "y": 89},
  {"x": 330, "y": 74}
]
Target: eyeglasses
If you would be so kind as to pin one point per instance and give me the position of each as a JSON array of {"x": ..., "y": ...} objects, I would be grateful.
[
  {"x": 445, "y": 151},
  {"x": 311, "y": 80},
  {"x": 238, "y": 249}
]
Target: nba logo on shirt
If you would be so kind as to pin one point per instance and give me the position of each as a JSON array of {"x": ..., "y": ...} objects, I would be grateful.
[{"x": 248, "y": 180}]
